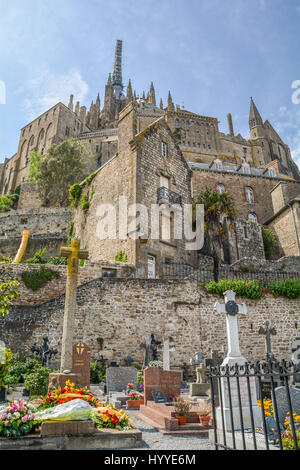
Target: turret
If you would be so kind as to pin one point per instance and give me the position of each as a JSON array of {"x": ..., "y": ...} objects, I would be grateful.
[
  {"x": 129, "y": 95},
  {"x": 230, "y": 125}
]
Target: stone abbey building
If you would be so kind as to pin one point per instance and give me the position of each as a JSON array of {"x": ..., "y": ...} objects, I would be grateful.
[{"x": 151, "y": 154}]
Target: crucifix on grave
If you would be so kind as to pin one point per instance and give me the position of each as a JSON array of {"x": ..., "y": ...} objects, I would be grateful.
[
  {"x": 268, "y": 332},
  {"x": 232, "y": 309},
  {"x": 74, "y": 254},
  {"x": 230, "y": 409}
]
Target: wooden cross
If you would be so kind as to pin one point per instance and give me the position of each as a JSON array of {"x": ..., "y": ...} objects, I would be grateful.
[
  {"x": 268, "y": 332},
  {"x": 74, "y": 254}
]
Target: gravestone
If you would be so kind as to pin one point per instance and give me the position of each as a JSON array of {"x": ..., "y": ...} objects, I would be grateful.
[
  {"x": 117, "y": 378},
  {"x": 235, "y": 358},
  {"x": 166, "y": 381},
  {"x": 266, "y": 388},
  {"x": 282, "y": 403},
  {"x": 81, "y": 358},
  {"x": 296, "y": 361}
]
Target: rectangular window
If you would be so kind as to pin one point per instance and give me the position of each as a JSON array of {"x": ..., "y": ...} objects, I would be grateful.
[{"x": 151, "y": 267}]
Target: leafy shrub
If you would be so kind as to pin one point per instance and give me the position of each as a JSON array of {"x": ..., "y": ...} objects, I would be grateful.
[
  {"x": 38, "y": 257},
  {"x": 37, "y": 381},
  {"x": 5, "y": 259},
  {"x": 289, "y": 288},
  {"x": 75, "y": 192},
  {"x": 85, "y": 203},
  {"x": 19, "y": 368},
  {"x": 35, "y": 280},
  {"x": 269, "y": 241},
  {"x": 98, "y": 373},
  {"x": 121, "y": 257},
  {"x": 6, "y": 203},
  {"x": 249, "y": 289},
  {"x": 6, "y": 356}
]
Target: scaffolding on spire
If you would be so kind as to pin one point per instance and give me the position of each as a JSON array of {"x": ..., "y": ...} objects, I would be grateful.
[{"x": 117, "y": 79}]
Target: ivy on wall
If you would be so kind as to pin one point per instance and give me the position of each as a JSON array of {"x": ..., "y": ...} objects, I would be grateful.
[{"x": 35, "y": 280}]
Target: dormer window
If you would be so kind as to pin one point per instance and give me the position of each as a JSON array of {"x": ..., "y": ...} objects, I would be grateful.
[
  {"x": 252, "y": 218},
  {"x": 272, "y": 172},
  {"x": 164, "y": 149},
  {"x": 246, "y": 168},
  {"x": 218, "y": 164}
]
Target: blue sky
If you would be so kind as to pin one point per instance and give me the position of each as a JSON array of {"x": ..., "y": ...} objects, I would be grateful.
[{"x": 213, "y": 54}]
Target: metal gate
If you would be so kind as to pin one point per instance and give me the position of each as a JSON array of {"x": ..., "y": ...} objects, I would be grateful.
[{"x": 239, "y": 392}]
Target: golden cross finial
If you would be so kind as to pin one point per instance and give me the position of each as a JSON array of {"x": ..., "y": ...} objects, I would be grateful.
[
  {"x": 74, "y": 254},
  {"x": 182, "y": 104}
]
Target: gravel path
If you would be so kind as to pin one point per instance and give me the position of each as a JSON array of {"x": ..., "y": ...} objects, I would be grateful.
[{"x": 153, "y": 439}]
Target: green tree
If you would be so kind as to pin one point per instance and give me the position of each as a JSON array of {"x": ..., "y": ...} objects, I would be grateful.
[
  {"x": 34, "y": 169},
  {"x": 7, "y": 294},
  {"x": 219, "y": 214},
  {"x": 6, "y": 203},
  {"x": 269, "y": 240},
  {"x": 62, "y": 166}
]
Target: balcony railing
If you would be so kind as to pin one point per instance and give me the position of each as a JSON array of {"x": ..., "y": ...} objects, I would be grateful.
[{"x": 166, "y": 196}]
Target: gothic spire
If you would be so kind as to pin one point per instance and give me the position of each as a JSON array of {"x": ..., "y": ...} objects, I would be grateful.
[
  {"x": 171, "y": 106},
  {"x": 161, "y": 105},
  {"x": 117, "y": 79},
  {"x": 254, "y": 116},
  {"x": 152, "y": 98},
  {"x": 129, "y": 92}
]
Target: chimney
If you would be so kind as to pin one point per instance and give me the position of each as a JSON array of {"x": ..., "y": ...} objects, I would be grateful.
[
  {"x": 83, "y": 114},
  {"x": 70, "y": 105},
  {"x": 77, "y": 108},
  {"x": 280, "y": 197},
  {"x": 230, "y": 125}
]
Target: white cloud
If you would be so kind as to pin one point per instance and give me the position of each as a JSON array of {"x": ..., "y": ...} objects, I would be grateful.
[{"x": 47, "y": 88}]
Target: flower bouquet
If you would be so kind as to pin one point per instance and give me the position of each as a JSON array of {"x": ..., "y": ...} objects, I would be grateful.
[
  {"x": 109, "y": 417},
  {"x": 17, "y": 419},
  {"x": 70, "y": 392},
  {"x": 135, "y": 400}
]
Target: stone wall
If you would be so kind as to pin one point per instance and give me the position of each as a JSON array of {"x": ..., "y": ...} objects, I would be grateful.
[
  {"x": 286, "y": 226},
  {"x": 125, "y": 312},
  {"x": 48, "y": 228},
  {"x": 29, "y": 198}
]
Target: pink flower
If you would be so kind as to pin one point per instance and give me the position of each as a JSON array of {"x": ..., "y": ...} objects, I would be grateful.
[
  {"x": 24, "y": 419},
  {"x": 6, "y": 423}
]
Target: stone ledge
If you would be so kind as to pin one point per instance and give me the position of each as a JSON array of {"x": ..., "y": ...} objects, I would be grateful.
[{"x": 101, "y": 439}]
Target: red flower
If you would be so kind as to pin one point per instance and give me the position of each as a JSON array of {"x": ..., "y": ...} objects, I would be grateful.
[{"x": 63, "y": 390}]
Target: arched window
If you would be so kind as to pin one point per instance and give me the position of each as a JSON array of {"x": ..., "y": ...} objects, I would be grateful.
[
  {"x": 252, "y": 217},
  {"x": 220, "y": 188},
  {"x": 249, "y": 195}
]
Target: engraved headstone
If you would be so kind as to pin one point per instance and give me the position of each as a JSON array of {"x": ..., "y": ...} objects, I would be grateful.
[
  {"x": 117, "y": 378},
  {"x": 159, "y": 397},
  {"x": 282, "y": 402},
  {"x": 82, "y": 362}
]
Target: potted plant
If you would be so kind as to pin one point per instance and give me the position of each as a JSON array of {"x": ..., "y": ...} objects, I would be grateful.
[
  {"x": 135, "y": 400},
  {"x": 182, "y": 408},
  {"x": 204, "y": 409}
]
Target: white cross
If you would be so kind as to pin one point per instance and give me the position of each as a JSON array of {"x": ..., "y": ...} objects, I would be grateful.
[
  {"x": 167, "y": 348},
  {"x": 231, "y": 308}
]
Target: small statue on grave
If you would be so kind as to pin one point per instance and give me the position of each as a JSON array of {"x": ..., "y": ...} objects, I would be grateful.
[
  {"x": 128, "y": 360},
  {"x": 153, "y": 347},
  {"x": 44, "y": 353}
]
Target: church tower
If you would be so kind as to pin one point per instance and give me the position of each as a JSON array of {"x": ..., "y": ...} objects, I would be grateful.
[
  {"x": 255, "y": 122},
  {"x": 117, "y": 79}
]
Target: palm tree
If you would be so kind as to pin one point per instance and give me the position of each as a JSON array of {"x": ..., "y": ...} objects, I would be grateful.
[{"x": 219, "y": 214}]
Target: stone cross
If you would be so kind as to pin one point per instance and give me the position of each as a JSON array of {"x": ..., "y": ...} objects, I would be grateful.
[
  {"x": 197, "y": 359},
  {"x": 201, "y": 374},
  {"x": 167, "y": 348},
  {"x": 232, "y": 309},
  {"x": 268, "y": 332},
  {"x": 74, "y": 254}
]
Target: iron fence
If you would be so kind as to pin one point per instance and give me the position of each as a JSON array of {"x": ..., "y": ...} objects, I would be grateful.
[
  {"x": 187, "y": 271},
  {"x": 251, "y": 416}
]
